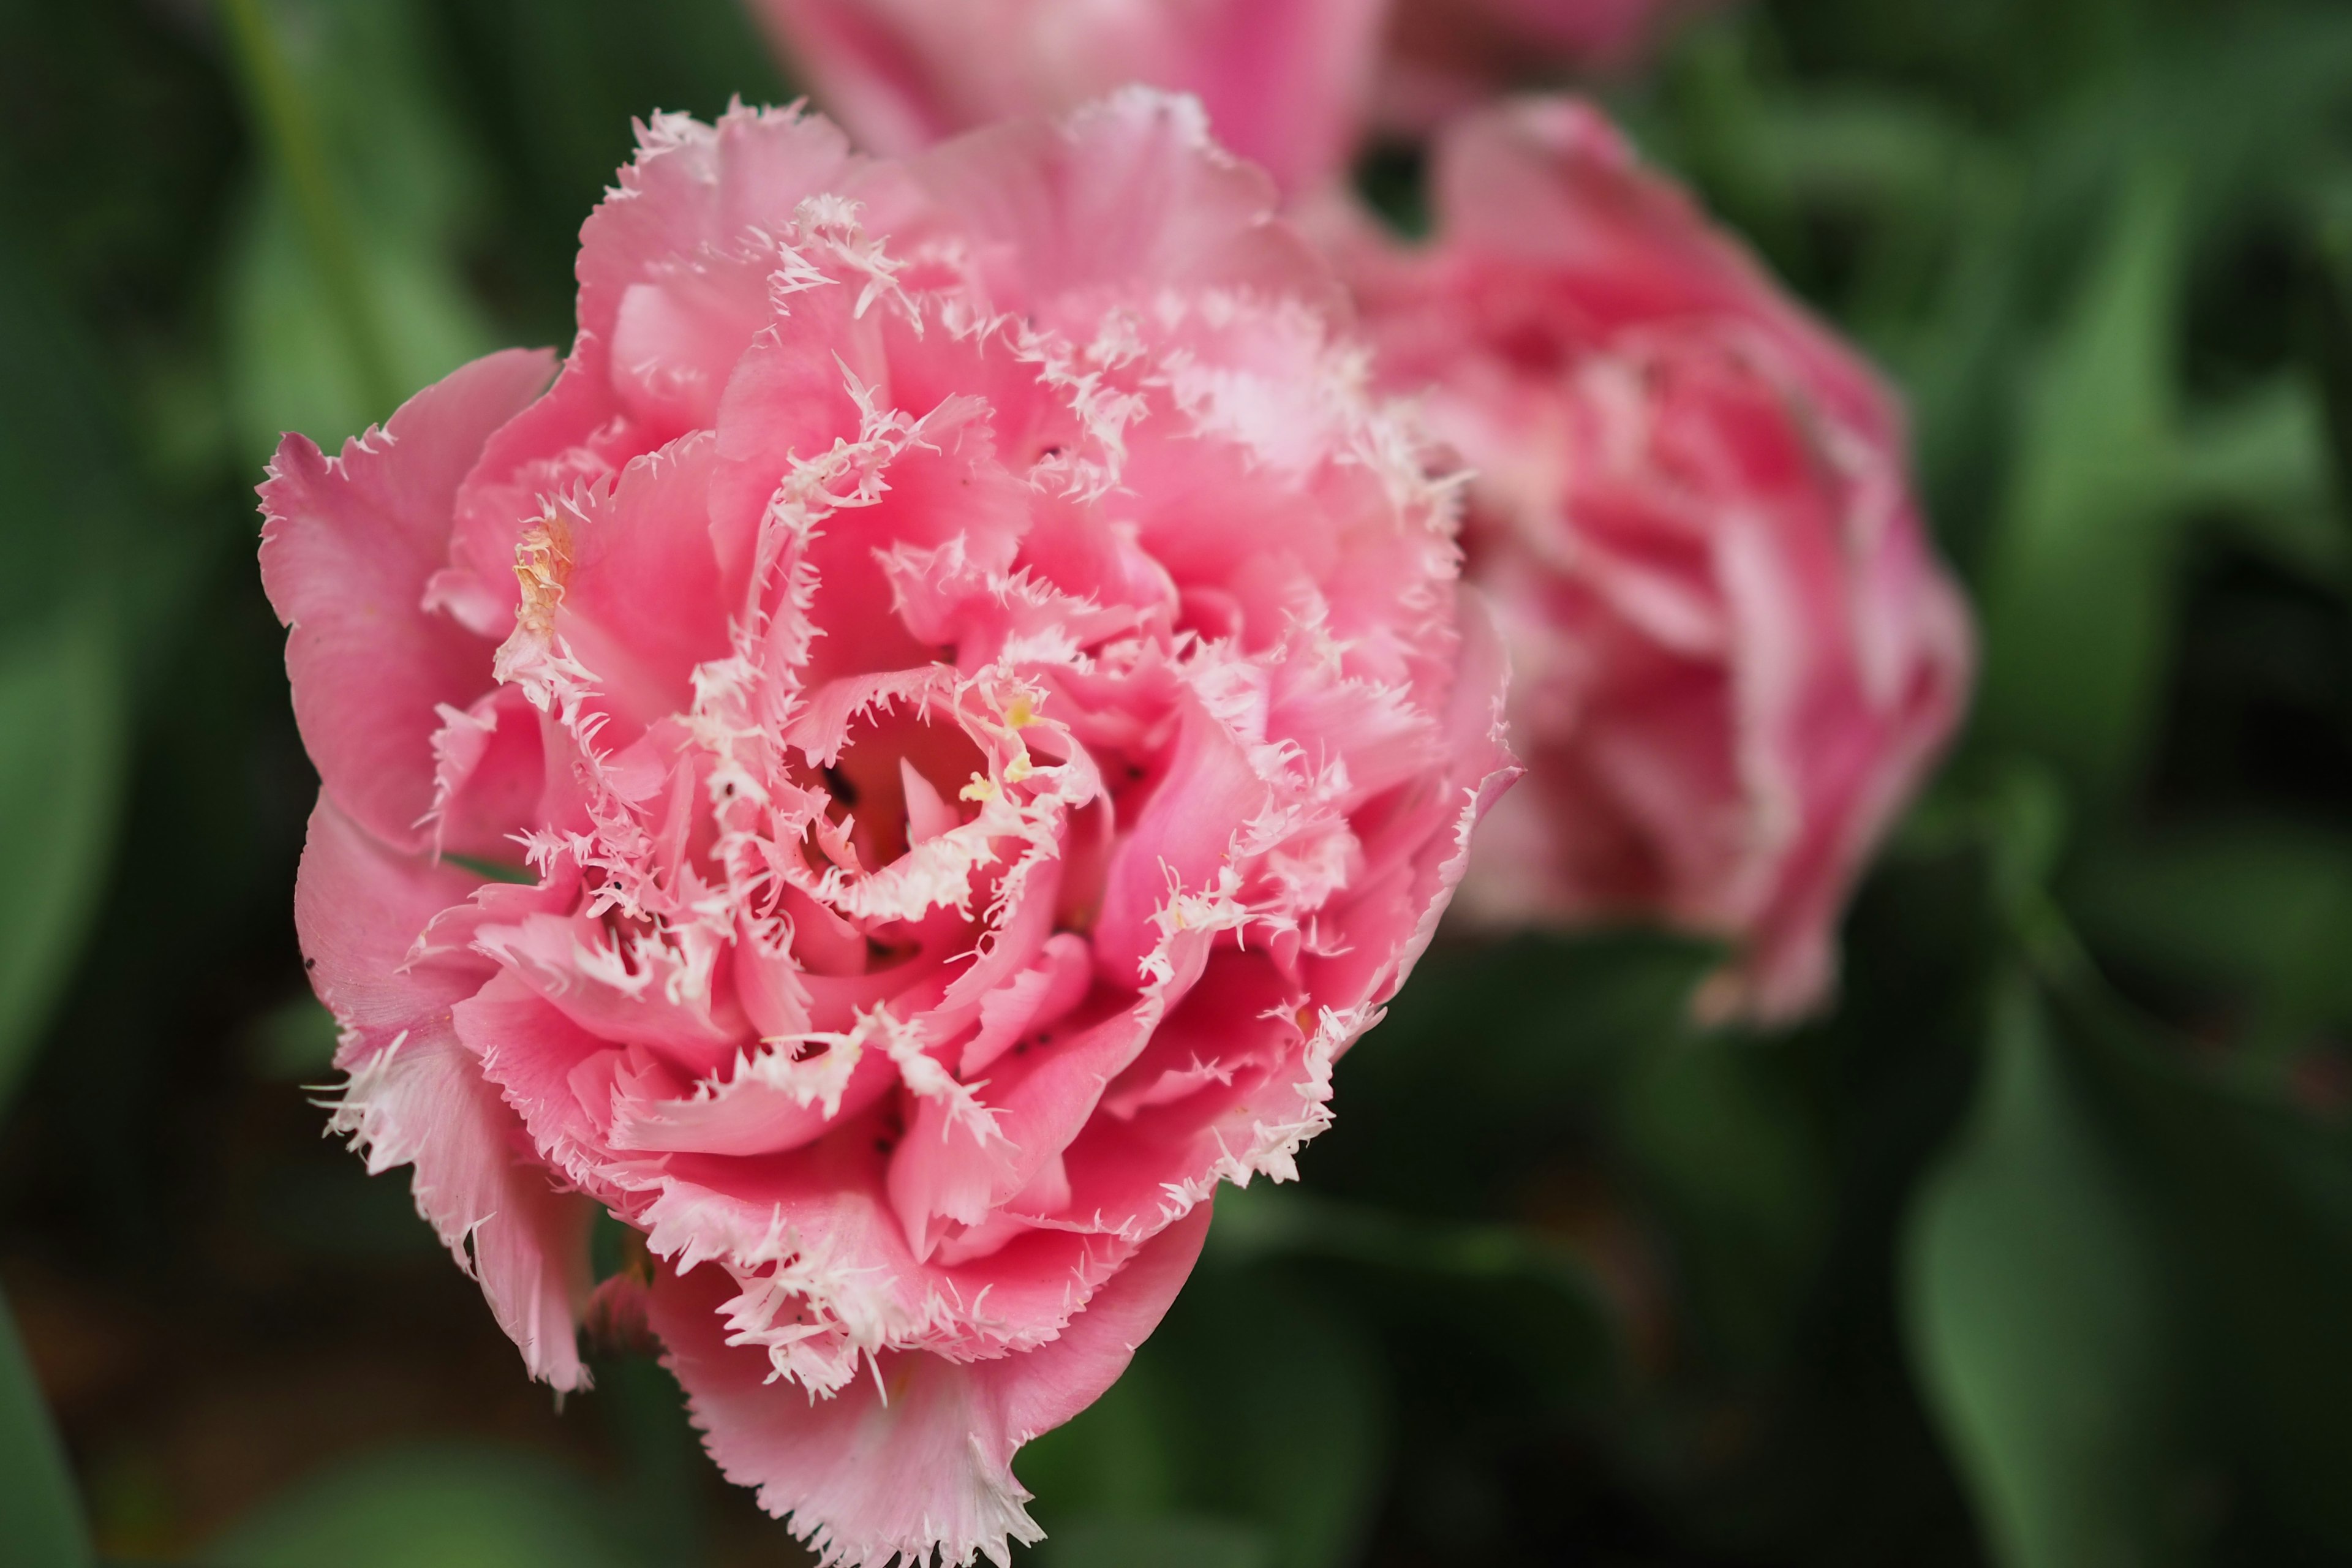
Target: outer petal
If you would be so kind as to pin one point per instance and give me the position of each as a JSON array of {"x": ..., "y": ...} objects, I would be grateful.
[
  {"x": 1550, "y": 182},
  {"x": 1791, "y": 965},
  {"x": 1285, "y": 80},
  {"x": 927, "y": 1457},
  {"x": 688, "y": 233},
  {"x": 348, "y": 548},
  {"x": 1128, "y": 191},
  {"x": 697, "y": 192},
  {"x": 416, "y": 1097}
]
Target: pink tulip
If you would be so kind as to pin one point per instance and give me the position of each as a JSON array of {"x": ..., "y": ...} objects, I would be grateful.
[
  {"x": 1284, "y": 80},
  {"x": 981, "y": 696},
  {"x": 1735, "y": 652}
]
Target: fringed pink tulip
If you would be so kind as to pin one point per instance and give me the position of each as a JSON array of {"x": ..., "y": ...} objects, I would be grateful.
[
  {"x": 1285, "y": 81},
  {"x": 968, "y": 693},
  {"x": 1735, "y": 652}
]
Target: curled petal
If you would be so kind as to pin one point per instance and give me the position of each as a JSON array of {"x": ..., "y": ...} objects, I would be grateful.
[
  {"x": 921, "y": 1455},
  {"x": 348, "y": 548},
  {"x": 416, "y": 1097}
]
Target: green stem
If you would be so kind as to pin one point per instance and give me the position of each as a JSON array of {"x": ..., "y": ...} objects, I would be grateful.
[{"x": 282, "y": 115}]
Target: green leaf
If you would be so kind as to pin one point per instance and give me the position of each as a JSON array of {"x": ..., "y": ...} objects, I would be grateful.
[
  {"x": 61, "y": 761},
  {"x": 1289, "y": 1415},
  {"x": 493, "y": 870},
  {"x": 292, "y": 1043},
  {"x": 279, "y": 104},
  {"x": 2258, "y": 911},
  {"x": 289, "y": 369},
  {"x": 1529, "y": 1027},
  {"x": 666, "y": 1467},
  {"x": 2077, "y": 606},
  {"x": 2329, "y": 339},
  {"x": 2260, "y": 467},
  {"x": 1255, "y": 1403},
  {"x": 1117, "y": 1458},
  {"x": 1724, "y": 1141},
  {"x": 1576, "y": 1340},
  {"x": 40, "y": 1516},
  {"x": 444, "y": 1506},
  {"x": 2255, "y": 1198},
  {"x": 345, "y": 291},
  {"x": 2030, "y": 1303},
  {"x": 1173, "y": 1540}
]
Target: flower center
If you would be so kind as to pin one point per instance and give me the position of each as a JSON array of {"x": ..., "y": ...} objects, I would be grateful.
[{"x": 896, "y": 784}]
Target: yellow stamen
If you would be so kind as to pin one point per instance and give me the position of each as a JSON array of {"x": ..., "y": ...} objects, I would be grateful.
[{"x": 542, "y": 561}]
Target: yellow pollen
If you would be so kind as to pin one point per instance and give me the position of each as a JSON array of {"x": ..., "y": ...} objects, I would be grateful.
[
  {"x": 1304, "y": 1020},
  {"x": 1022, "y": 713},
  {"x": 979, "y": 788},
  {"x": 542, "y": 561}
]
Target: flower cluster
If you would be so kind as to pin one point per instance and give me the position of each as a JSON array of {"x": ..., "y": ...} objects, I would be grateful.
[
  {"x": 909, "y": 763},
  {"x": 1737, "y": 655}
]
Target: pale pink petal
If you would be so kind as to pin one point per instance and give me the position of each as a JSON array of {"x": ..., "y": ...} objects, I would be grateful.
[{"x": 489, "y": 776}]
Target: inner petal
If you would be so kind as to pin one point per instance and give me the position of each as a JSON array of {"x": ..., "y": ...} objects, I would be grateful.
[{"x": 896, "y": 783}]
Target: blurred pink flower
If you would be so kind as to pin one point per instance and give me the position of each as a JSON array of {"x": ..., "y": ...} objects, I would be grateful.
[
  {"x": 1735, "y": 654},
  {"x": 1444, "y": 57},
  {"x": 1285, "y": 81},
  {"x": 979, "y": 690}
]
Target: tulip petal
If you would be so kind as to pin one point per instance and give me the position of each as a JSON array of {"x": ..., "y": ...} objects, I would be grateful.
[
  {"x": 925, "y": 1458},
  {"x": 348, "y": 549},
  {"x": 415, "y": 1096}
]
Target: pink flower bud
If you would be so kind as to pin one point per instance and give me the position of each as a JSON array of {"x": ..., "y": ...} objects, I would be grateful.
[{"x": 1735, "y": 653}]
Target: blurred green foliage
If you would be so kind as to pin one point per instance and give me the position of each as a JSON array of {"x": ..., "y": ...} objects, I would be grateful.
[
  {"x": 2038, "y": 1252},
  {"x": 444, "y": 1506}
]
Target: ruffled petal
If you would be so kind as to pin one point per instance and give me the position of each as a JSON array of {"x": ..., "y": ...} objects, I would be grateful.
[
  {"x": 1129, "y": 192},
  {"x": 415, "y": 1096},
  {"x": 926, "y": 1458},
  {"x": 349, "y": 547},
  {"x": 1550, "y": 182}
]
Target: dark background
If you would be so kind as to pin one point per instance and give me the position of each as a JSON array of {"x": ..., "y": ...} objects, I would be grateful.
[{"x": 2038, "y": 1252}]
